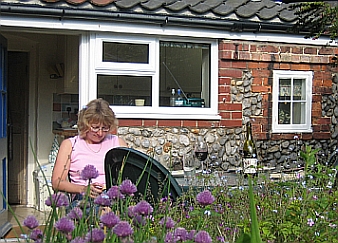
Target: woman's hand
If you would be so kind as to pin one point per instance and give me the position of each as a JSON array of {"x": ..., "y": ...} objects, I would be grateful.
[{"x": 95, "y": 190}]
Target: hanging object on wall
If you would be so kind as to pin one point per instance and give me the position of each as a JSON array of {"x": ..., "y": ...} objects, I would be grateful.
[{"x": 56, "y": 71}]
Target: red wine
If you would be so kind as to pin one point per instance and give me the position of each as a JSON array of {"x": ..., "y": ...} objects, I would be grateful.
[{"x": 201, "y": 156}]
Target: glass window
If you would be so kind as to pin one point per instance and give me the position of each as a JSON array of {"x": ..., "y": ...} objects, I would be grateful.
[
  {"x": 185, "y": 66},
  {"x": 132, "y": 71},
  {"x": 292, "y": 101},
  {"x": 125, "y": 52},
  {"x": 124, "y": 90}
]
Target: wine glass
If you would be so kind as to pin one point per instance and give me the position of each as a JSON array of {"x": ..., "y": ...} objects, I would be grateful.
[{"x": 201, "y": 152}]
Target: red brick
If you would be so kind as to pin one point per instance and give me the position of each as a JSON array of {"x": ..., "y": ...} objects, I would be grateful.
[
  {"x": 227, "y": 46},
  {"x": 306, "y": 136},
  {"x": 231, "y": 123},
  {"x": 297, "y": 50},
  {"x": 267, "y": 48},
  {"x": 226, "y": 54},
  {"x": 321, "y": 135},
  {"x": 325, "y": 128},
  {"x": 130, "y": 122},
  {"x": 169, "y": 123},
  {"x": 316, "y": 98},
  {"x": 257, "y": 89},
  {"x": 323, "y": 90},
  {"x": 223, "y": 81},
  {"x": 261, "y": 136},
  {"x": 225, "y": 114},
  {"x": 233, "y": 73},
  {"x": 310, "y": 50},
  {"x": 244, "y": 55},
  {"x": 327, "y": 82},
  {"x": 324, "y": 120},
  {"x": 189, "y": 123},
  {"x": 253, "y": 65},
  {"x": 285, "y": 66},
  {"x": 222, "y": 98},
  {"x": 239, "y": 64},
  {"x": 255, "y": 56},
  {"x": 208, "y": 124},
  {"x": 225, "y": 64},
  {"x": 299, "y": 66},
  {"x": 149, "y": 123},
  {"x": 223, "y": 89},
  {"x": 295, "y": 58},
  {"x": 270, "y": 57},
  {"x": 253, "y": 48},
  {"x": 326, "y": 51},
  {"x": 285, "y": 49},
  {"x": 230, "y": 106},
  {"x": 236, "y": 115}
]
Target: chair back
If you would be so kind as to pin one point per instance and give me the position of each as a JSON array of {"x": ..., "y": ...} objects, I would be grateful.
[{"x": 152, "y": 179}]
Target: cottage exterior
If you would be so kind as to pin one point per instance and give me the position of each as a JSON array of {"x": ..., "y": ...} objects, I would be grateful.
[{"x": 239, "y": 60}]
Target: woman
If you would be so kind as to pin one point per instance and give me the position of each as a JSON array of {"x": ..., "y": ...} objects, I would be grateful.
[{"x": 95, "y": 124}]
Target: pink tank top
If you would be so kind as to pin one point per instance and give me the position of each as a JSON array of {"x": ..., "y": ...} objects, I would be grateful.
[{"x": 94, "y": 154}]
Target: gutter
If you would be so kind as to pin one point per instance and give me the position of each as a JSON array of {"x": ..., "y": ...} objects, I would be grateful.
[{"x": 188, "y": 21}]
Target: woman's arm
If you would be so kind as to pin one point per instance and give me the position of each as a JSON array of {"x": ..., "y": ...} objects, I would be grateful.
[
  {"x": 60, "y": 175},
  {"x": 122, "y": 142}
]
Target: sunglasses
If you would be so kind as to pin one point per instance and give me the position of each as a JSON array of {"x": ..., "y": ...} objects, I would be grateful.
[{"x": 97, "y": 129}]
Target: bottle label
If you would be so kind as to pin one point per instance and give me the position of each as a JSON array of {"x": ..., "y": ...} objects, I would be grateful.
[
  {"x": 178, "y": 102},
  {"x": 249, "y": 165}
]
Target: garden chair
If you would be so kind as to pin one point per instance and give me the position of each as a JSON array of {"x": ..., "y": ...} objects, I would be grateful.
[{"x": 152, "y": 179}]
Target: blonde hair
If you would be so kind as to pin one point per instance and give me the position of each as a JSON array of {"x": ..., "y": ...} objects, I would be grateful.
[{"x": 96, "y": 111}]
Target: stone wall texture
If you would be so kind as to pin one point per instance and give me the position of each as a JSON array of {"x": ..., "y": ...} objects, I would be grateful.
[{"x": 245, "y": 94}]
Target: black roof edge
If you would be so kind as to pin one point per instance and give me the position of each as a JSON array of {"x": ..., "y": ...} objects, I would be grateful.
[{"x": 223, "y": 24}]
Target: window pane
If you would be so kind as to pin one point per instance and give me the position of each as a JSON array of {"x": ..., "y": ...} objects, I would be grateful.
[
  {"x": 284, "y": 113},
  {"x": 298, "y": 116},
  {"x": 299, "y": 89},
  {"x": 284, "y": 89},
  {"x": 125, "y": 52},
  {"x": 123, "y": 89},
  {"x": 186, "y": 66}
]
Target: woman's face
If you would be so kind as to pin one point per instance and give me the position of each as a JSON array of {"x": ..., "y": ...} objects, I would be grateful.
[{"x": 97, "y": 132}]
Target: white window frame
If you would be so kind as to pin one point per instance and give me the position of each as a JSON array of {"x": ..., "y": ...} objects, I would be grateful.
[
  {"x": 96, "y": 66},
  {"x": 292, "y": 128}
]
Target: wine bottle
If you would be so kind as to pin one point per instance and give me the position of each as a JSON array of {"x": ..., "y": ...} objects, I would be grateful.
[
  {"x": 249, "y": 153},
  {"x": 172, "y": 98}
]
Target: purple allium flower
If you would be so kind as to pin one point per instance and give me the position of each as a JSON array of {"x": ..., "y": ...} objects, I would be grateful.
[
  {"x": 123, "y": 229},
  {"x": 64, "y": 225},
  {"x": 205, "y": 198},
  {"x": 139, "y": 220},
  {"x": 89, "y": 172},
  {"x": 131, "y": 213},
  {"x": 75, "y": 214},
  {"x": 128, "y": 188},
  {"x": 180, "y": 234},
  {"x": 114, "y": 193},
  {"x": 191, "y": 235},
  {"x": 59, "y": 199},
  {"x": 102, "y": 200},
  {"x": 109, "y": 219},
  {"x": 168, "y": 221},
  {"x": 36, "y": 234},
  {"x": 31, "y": 222},
  {"x": 78, "y": 240},
  {"x": 95, "y": 236},
  {"x": 169, "y": 238},
  {"x": 143, "y": 208},
  {"x": 203, "y": 237}
]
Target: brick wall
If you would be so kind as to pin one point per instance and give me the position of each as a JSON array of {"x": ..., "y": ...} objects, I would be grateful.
[{"x": 261, "y": 59}]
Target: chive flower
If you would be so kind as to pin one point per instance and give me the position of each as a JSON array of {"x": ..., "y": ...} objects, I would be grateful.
[
  {"x": 128, "y": 188},
  {"x": 114, "y": 193},
  {"x": 205, "y": 198},
  {"x": 31, "y": 222},
  {"x": 78, "y": 240},
  {"x": 123, "y": 229},
  {"x": 59, "y": 199},
  {"x": 36, "y": 235},
  {"x": 203, "y": 237},
  {"x": 168, "y": 221},
  {"x": 102, "y": 200},
  {"x": 143, "y": 208},
  {"x": 75, "y": 214},
  {"x": 89, "y": 172},
  {"x": 95, "y": 236},
  {"x": 64, "y": 225},
  {"x": 109, "y": 219}
]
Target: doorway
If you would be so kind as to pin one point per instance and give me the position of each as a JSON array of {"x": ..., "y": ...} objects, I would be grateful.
[{"x": 18, "y": 86}]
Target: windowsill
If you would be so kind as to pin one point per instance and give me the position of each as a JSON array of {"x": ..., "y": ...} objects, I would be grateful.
[
  {"x": 292, "y": 131},
  {"x": 168, "y": 116}
]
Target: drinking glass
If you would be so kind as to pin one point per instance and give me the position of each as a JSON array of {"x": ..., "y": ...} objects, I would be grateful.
[
  {"x": 189, "y": 168},
  {"x": 201, "y": 152}
]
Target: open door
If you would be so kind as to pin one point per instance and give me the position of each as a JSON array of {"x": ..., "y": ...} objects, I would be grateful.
[{"x": 5, "y": 226}]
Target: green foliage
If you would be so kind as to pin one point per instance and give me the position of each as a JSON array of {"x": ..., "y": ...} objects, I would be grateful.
[{"x": 317, "y": 19}]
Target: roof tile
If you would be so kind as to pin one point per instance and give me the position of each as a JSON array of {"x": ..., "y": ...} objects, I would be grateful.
[
  {"x": 269, "y": 13},
  {"x": 100, "y": 2},
  {"x": 125, "y": 4},
  {"x": 155, "y": 4},
  {"x": 205, "y": 6},
  {"x": 287, "y": 15},
  {"x": 228, "y": 7},
  {"x": 181, "y": 4},
  {"x": 248, "y": 10}
]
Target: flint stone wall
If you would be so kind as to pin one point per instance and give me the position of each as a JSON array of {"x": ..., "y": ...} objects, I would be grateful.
[{"x": 169, "y": 144}]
